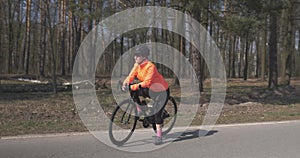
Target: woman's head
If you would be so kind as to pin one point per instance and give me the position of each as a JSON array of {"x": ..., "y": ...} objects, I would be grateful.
[
  {"x": 142, "y": 51},
  {"x": 141, "y": 54}
]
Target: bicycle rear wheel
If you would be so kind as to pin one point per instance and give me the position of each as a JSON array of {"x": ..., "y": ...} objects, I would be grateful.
[
  {"x": 169, "y": 115},
  {"x": 123, "y": 122}
]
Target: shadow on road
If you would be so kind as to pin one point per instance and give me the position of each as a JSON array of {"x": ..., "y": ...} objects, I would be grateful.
[
  {"x": 173, "y": 137},
  {"x": 191, "y": 134}
]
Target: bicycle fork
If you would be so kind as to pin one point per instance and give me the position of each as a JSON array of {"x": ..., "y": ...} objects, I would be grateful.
[{"x": 124, "y": 119}]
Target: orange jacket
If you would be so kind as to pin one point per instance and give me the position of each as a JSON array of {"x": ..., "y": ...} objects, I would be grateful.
[{"x": 149, "y": 76}]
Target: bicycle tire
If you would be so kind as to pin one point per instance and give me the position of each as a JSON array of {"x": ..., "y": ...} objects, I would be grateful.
[
  {"x": 171, "y": 108},
  {"x": 126, "y": 113}
]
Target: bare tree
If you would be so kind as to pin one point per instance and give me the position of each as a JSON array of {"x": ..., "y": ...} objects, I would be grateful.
[{"x": 26, "y": 50}]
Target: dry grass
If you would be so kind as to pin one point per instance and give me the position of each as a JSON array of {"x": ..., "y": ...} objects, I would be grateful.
[{"x": 246, "y": 101}]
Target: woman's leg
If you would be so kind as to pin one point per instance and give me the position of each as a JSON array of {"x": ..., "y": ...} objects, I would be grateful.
[
  {"x": 159, "y": 123},
  {"x": 136, "y": 94},
  {"x": 161, "y": 100}
]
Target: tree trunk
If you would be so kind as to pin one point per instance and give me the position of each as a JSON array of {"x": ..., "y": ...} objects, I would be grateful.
[
  {"x": 263, "y": 54},
  {"x": 52, "y": 45},
  {"x": 27, "y": 37},
  {"x": 181, "y": 47},
  {"x": 258, "y": 55},
  {"x": 273, "y": 72},
  {"x": 230, "y": 54},
  {"x": 289, "y": 43},
  {"x": 10, "y": 37},
  {"x": 241, "y": 57},
  {"x": 233, "y": 54},
  {"x": 19, "y": 41},
  {"x": 43, "y": 45},
  {"x": 70, "y": 46},
  {"x": 63, "y": 36},
  {"x": 2, "y": 32},
  {"x": 246, "y": 59}
]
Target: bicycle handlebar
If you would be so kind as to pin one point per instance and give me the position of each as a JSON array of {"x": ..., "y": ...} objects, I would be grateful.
[{"x": 127, "y": 88}]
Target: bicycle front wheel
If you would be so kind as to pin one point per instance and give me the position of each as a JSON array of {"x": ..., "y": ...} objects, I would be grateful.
[{"x": 123, "y": 122}]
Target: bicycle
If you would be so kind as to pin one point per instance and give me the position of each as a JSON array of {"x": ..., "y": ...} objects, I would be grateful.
[{"x": 124, "y": 118}]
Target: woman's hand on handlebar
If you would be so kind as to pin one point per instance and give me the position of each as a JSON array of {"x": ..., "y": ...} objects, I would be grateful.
[{"x": 124, "y": 87}]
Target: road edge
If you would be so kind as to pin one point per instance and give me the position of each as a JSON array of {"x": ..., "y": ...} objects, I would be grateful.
[{"x": 31, "y": 136}]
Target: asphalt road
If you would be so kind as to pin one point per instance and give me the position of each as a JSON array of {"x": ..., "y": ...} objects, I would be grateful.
[{"x": 267, "y": 140}]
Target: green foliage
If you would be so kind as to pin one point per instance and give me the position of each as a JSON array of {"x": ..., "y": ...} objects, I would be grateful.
[
  {"x": 241, "y": 26},
  {"x": 69, "y": 24},
  {"x": 251, "y": 7}
]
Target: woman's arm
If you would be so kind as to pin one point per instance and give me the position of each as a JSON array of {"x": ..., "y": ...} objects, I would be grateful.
[
  {"x": 131, "y": 76},
  {"x": 148, "y": 75}
]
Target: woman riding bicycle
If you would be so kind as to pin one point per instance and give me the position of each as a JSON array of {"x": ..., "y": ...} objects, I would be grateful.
[{"x": 152, "y": 84}]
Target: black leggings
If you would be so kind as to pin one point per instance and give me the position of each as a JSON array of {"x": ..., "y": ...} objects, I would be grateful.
[{"x": 160, "y": 100}]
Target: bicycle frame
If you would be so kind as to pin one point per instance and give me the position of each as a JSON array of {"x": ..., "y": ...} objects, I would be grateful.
[{"x": 130, "y": 121}]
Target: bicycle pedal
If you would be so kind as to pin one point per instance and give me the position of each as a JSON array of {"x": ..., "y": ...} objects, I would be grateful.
[
  {"x": 165, "y": 115},
  {"x": 145, "y": 124}
]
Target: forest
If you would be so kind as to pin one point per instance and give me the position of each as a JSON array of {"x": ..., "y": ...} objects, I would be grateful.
[
  {"x": 257, "y": 38},
  {"x": 40, "y": 40}
]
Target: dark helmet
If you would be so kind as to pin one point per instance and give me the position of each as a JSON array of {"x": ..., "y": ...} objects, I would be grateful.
[{"x": 142, "y": 51}]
